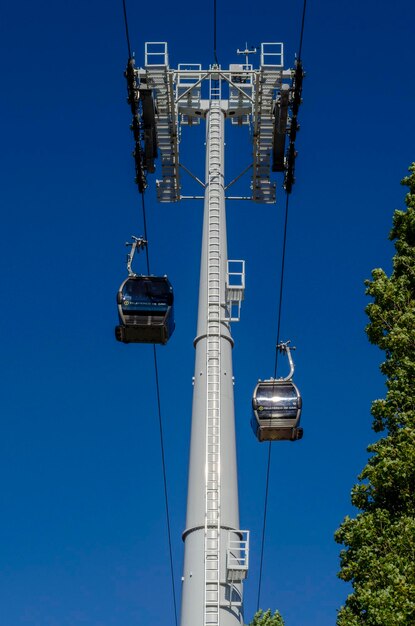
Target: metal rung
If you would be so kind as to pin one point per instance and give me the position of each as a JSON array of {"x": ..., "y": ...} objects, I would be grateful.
[{"x": 213, "y": 379}]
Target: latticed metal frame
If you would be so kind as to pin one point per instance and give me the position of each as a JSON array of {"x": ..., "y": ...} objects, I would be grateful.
[{"x": 179, "y": 101}]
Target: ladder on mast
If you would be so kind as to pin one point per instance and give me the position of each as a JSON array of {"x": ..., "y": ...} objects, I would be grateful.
[{"x": 212, "y": 493}]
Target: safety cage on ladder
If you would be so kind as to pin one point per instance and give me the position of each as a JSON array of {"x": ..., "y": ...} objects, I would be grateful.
[
  {"x": 237, "y": 555},
  {"x": 234, "y": 290}
]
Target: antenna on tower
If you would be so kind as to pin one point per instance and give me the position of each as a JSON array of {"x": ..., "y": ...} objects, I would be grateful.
[{"x": 247, "y": 52}]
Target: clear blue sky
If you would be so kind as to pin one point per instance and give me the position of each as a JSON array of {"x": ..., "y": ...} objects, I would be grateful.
[{"x": 82, "y": 526}]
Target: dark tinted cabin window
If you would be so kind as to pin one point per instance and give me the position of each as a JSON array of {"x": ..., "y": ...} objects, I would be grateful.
[
  {"x": 147, "y": 290},
  {"x": 158, "y": 290},
  {"x": 279, "y": 400},
  {"x": 134, "y": 288}
]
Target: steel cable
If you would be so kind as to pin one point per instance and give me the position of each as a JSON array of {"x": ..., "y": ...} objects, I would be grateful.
[
  {"x": 160, "y": 421},
  {"x": 126, "y": 28},
  {"x": 215, "y": 33},
  {"x": 163, "y": 461},
  {"x": 300, "y": 47},
  {"x": 284, "y": 246}
]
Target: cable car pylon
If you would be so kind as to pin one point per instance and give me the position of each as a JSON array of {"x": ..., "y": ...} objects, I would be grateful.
[{"x": 216, "y": 550}]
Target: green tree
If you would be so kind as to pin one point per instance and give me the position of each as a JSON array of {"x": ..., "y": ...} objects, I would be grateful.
[
  {"x": 266, "y": 618},
  {"x": 379, "y": 554}
]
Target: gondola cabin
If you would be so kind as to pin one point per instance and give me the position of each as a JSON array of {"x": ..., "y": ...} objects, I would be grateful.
[
  {"x": 145, "y": 310},
  {"x": 276, "y": 408}
]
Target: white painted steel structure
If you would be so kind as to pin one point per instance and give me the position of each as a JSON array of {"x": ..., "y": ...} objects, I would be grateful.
[
  {"x": 216, "y": 550},
  {"x": 210, "y": 595}
]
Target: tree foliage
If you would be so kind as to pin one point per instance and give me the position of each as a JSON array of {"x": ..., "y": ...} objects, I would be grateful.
[
  {"x": 266, "y": 618},
  {"x": 379, "y": 554}
]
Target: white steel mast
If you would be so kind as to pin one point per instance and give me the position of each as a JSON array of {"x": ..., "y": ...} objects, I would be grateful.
[
  {"x": 216, "y": 550},
  {"x": 212, "y": 505}
]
